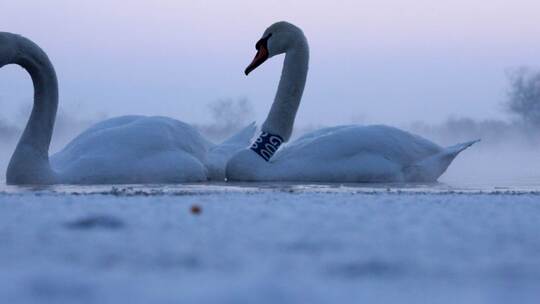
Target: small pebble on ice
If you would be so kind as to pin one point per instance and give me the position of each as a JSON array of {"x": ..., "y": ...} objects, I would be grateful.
[{"x": 195, "y": 209}]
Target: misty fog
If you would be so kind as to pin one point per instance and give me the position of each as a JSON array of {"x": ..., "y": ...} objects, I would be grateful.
[{"x": 509, "y": 151}]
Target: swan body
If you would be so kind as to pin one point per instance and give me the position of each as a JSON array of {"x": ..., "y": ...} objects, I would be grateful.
[
  {"x": 127, "y": 149},
  {"x": 373, "y": 153},
  {"x": 141, "y": 149},
  {"x": 349, "y": 153}
]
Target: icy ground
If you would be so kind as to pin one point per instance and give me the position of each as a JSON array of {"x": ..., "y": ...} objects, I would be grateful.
[{"x": 270, "y": 244}]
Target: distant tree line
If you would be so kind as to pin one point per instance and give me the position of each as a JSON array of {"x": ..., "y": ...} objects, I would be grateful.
[{"x": 524, "y": 96}]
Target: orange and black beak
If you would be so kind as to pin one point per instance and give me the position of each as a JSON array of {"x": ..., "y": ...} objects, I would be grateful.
[{"x": 261, "y": 56}]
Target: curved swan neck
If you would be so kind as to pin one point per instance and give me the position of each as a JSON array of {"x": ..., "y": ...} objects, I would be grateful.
[
  {"x": 280, "y": 120},
  {"x": 40, "y": 126},
  {"x": 30, "y": 161}
]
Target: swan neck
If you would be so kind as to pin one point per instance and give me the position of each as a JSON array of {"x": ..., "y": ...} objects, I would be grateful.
[
  {"x": 280, "y": 120},
  {"x": 30, "y": 161}
]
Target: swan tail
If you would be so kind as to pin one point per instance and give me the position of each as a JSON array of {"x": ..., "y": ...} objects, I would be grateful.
[
  {"x": 455, "y": 149},
  {"x": 242, "y": 138},
  {"x": 431, "y": 168},
  {"x": 219, "y": 155}
]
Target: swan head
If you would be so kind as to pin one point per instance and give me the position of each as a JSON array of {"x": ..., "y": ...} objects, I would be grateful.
[
  {"x": 8, "y": 48},
  {"x": 277, "y": 39}
]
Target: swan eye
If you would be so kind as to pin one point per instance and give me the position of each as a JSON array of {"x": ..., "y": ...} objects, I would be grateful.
[{"x": 262, "y": 41}]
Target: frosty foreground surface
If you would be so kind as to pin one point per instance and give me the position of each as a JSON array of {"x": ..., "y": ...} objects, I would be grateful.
[{"x": 276, "y": 243}]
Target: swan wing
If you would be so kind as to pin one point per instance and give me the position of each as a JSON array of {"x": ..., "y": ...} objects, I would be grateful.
[
  {"x": 346, "y": 141},
  {"x": 351, "y": 154},
  {"x": 134, "y": 149}
]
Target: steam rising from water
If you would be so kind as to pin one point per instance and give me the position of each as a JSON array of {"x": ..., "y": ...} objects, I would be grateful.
[{"x": 509, "y": 152}]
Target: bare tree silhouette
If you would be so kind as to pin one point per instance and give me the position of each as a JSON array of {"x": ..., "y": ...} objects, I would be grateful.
[
  {"x": 524, "y": 96},
  {"x": 228, "y": 116}
]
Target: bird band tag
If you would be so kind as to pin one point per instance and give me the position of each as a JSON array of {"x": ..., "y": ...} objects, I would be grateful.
[{"x": 266, "y": 145}]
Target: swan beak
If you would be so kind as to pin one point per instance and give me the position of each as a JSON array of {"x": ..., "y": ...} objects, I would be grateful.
[{"x": 260, "y": 57}]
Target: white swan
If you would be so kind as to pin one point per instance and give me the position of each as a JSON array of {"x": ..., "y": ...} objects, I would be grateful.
[
  {"x": 129, "y": 149},
  {"x": 337, "y": 154}
]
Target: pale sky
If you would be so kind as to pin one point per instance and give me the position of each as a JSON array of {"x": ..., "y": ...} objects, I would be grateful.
[{"x": 384, "y": 61}]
